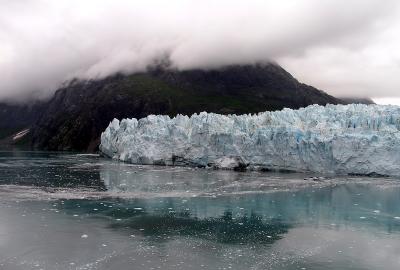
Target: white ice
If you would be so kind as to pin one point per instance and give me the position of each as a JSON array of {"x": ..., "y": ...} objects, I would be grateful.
[{"x": 339, "y": 139}]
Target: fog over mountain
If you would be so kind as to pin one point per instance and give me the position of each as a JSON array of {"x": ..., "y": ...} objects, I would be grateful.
[{"x": 344, "y": 47}]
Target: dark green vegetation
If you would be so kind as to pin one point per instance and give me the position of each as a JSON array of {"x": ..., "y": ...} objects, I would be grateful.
[{"x": 77, "y": 114}]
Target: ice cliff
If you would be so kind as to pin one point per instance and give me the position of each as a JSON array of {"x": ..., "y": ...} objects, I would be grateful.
[{"x": 351, "y": 139}]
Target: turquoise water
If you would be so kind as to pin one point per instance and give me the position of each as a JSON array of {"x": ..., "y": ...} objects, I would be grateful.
[{"x": 69, "y": 211}]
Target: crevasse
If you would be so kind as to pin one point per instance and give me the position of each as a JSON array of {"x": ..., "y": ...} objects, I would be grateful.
[{"x": 339, "y": 139}]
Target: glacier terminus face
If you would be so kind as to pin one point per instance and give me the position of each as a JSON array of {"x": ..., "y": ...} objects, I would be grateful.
[{"x": 332, "y": 139}]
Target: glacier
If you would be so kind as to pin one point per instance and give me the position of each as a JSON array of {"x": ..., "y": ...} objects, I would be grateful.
[{"x": 334, "y": 139}]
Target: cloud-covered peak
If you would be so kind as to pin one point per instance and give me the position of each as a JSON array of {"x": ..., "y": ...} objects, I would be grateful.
[{"x": 344, "y": 47}]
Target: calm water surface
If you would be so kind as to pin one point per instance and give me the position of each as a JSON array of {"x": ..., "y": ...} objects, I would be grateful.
[{"x": 69, "y": 211}]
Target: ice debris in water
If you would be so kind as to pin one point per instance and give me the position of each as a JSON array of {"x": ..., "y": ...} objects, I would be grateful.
[{"x": 343, "y": 139}]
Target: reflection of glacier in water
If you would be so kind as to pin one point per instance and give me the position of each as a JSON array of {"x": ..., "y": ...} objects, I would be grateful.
[
  {"x": 333, "y": 224},
  {"x": 145, "y": 217},
  {"x": 179, "y": 181},
  {"x": 288, "y": 197}
]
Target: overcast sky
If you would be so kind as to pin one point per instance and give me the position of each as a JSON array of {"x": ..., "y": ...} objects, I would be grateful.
[{"x": 345, "y": 47}]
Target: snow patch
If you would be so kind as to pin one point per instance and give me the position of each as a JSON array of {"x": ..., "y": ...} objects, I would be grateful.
[{"x": 20, "y": 134}]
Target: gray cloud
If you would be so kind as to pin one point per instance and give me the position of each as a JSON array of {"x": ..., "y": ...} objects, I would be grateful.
[{"x": 343, "y": 47}]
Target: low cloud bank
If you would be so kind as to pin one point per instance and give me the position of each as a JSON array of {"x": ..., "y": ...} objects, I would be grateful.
[{"x": 343, "y": 47}]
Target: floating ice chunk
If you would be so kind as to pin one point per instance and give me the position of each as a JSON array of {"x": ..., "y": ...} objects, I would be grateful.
[{"x": 342, "y": 139}]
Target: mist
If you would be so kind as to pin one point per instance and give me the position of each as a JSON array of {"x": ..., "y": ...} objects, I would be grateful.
[{"x": 347, "y": 48}]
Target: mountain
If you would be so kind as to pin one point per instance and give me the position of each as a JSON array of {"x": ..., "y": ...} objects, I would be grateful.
[
  {"x": 77, "y": 114},
  {"x": 17, "y": 117}
]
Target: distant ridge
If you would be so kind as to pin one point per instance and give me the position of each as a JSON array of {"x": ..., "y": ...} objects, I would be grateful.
[{"x": 357, "y": 100}]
